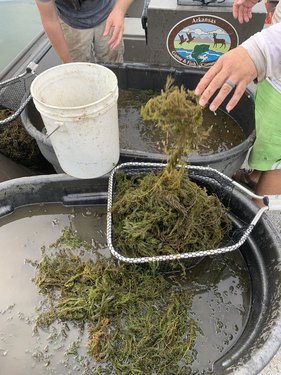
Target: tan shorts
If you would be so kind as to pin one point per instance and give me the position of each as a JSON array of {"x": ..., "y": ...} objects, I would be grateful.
[{"x": 89, "y": 45}]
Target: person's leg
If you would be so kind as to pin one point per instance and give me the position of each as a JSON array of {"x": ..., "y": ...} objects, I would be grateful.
[
  {"x": 254, "y": 176},
  {"x": 103, "y": 52},
  {"x": 79, "y": 42},
  {"x": 269, "y": 183},
  {"x": 250, "y": 178}
]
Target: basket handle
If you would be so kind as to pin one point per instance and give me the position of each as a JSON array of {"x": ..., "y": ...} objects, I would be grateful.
[
  {"x": 17, "y": 113},
  {"x": 273, "y": 202},
  {"x": 30, "y": 69}
]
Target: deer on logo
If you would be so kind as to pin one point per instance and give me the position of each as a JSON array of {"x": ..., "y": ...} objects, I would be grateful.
[{"x": 218, "y": 40}]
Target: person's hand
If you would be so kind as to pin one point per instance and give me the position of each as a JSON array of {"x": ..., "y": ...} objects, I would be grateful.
[
  {"x": 115, "y": 22},
  {"x": 242, "y": 9},
  {"x": 236, "y": 67}
]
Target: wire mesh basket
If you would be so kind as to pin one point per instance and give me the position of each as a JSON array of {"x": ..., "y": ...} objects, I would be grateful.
[
  {"x": 12, "y": 92},
  {"x": 205, "y": 176}
]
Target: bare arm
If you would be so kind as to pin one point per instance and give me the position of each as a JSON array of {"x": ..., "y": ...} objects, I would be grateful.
[
  {"x": 51, "y": 25},
  {"x": 115, "y": 20},
  {"x": 265, "y": 50}
]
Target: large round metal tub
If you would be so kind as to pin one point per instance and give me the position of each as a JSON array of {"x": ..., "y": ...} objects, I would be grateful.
[{"x": 143, "y": 77}]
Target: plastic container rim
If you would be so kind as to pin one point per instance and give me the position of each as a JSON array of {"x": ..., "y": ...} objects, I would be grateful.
[{"x": 61, "y": 66}]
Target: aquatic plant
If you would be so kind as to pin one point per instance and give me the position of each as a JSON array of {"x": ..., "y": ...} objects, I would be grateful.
[
  {"x": 70, "y": 240},
  {"x": 19, "y": 146},
  {"x": 138, "y": 318},
  {"x": 164, "y": 212},
  {"x": 160, "y": 214},
  {"x": 178, "y": 115}
]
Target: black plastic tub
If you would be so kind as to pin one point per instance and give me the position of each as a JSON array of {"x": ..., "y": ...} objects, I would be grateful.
[
  {"x": 260, "y": 337},
  {"x": 144, "y": 77}
]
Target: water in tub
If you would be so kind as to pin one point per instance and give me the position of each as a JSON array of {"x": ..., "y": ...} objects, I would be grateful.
[{"x": 220, "y": 289}]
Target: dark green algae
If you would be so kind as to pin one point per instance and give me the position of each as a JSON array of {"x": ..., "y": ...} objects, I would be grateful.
[{"x": 138, "y": 317}]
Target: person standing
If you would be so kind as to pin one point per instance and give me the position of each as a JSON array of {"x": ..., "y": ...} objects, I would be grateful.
[
  {"x": 85, "y": 30},
  {"x": 257, "y": 59}
]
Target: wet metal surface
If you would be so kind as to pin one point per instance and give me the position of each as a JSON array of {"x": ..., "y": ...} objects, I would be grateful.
[{"x": 10, "y": 169}]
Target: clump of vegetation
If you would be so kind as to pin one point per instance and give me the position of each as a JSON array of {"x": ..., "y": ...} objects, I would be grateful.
[
  {"x": 161, "y": 214},
  {"x": 164, "y": 212},
  {"x": 19, "y": 146},
  {"x": 70, "y": 240},
  {"x": 138, "y": 318},
  {"x": 178, "y": 115}
]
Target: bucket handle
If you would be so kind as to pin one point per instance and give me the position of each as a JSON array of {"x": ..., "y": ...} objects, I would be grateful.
[{"x": 58, "y": 126}]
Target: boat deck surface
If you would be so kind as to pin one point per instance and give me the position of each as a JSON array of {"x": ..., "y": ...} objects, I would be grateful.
[{"x": 39, "y": 51}]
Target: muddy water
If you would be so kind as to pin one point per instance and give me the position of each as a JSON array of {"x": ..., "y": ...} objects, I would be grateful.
[
  {"x": 135, "y": 134},
  {"x": 220, "y": 286}
]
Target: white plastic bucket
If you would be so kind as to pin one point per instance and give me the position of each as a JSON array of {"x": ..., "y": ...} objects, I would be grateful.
[{"x": 78, "y": 105}]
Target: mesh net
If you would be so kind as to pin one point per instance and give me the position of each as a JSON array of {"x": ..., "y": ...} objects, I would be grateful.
[
  {"x": 14, "y": 95},
  {"x": 11, "y": 93},
  {"x": 214, "y": 182}
]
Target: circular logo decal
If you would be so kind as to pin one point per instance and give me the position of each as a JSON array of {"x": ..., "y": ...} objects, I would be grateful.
[{"x": 200, "y": 40}]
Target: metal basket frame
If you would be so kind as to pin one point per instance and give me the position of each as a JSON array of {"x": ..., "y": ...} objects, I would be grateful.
[
  {"x": 29, "y": 71},
  {"x": 273, "y": 202}
]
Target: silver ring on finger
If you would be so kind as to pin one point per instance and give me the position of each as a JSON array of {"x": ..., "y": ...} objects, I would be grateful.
[{"x": 230, "y": 83}]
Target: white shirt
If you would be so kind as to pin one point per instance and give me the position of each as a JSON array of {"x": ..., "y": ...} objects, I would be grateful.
[{"x": 265, "y": 50}]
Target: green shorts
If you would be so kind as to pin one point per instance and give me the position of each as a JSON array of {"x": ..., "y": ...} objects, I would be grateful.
[{"x": 266, "y": 152}]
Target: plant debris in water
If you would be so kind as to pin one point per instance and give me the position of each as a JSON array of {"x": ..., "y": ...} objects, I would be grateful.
[
  {"x": 224, "y": 132},
  {"x": 164, "y": 212},
  {"x": 138, "y": 318},
  {"x": 19, "y": 146}
]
